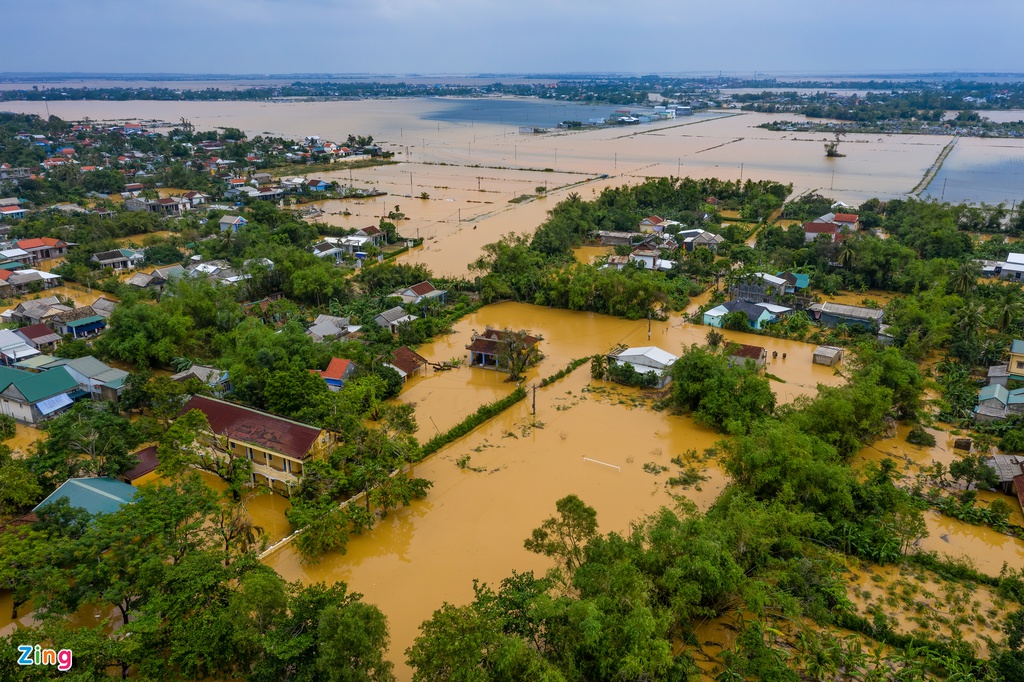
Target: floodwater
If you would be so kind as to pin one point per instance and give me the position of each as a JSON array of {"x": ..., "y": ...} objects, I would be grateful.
[
  {"x": 473, "y": 522},
  {"x": 989, "y": 170},
  {"x": 79, "y": 296}
]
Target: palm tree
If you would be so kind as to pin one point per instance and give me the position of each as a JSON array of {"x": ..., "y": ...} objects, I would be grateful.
[
  {"x": 847, "y": 254},
  {"x": 1006, "y": 308},
  {"x": 964, "y": 279}
]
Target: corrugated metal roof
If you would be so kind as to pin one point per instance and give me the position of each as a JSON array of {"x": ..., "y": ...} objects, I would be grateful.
[{"x": 95, "y": 495}]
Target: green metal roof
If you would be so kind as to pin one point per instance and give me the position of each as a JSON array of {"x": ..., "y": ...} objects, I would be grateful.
[
  {"x": 36, "y": 386},
  {"x": 95, "y": 495},
  {"x": 37, "y": 362},
  {"x": 85, "y": 320}
]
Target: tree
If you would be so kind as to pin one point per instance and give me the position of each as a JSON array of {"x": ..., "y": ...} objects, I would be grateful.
[
  {"x": 352, "y": 641},
  {"x": 563, "y": 538},
  {"x": 190, "y": 442},
  {"x": 517, "y": 351},
  {"x": 964, "y": 278},
  {"x": 974, "y": 470}
]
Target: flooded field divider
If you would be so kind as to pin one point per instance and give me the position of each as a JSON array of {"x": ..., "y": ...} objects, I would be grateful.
[
  {"x": 597, "y": 461},
  {"x": 934, "y": 169}
]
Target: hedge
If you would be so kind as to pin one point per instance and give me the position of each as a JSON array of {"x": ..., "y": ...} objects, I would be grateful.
[{"x": 483, "y": 414}]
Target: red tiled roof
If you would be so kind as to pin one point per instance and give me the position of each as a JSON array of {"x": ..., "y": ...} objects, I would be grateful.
[
  {"x": 262, "y": 429},
  {"x": 31, "y": 243},
  {"x": 336, "y": 369},
  {"x": 488, "y": 341},
  {"x": 655, "y": 220},
  {"x": 372, "y": 231},
  {"x": 34, "y": 331},
  {"x": 846, "y": 218},
  {"x": 821, "y": 228},
  {"x": 407, "y": 360},
  {"x": 752, "y": 352},
  {"x": 4, "y": 274},
  {"x": 148, "y": 463},
  {"x": 1018, "y": 487},
  {"x": 422, "y": 288}
]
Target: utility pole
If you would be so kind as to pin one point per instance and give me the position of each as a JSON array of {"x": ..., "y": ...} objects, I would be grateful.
[
  {"x": 944, "y": 190},
  {"x": 648, "y": 325},
  {"x": 478, "y": 184},
  {"x": 741, "y": 173},
  {"x": 410, "y": 183},
  {"x": 460, "y": 215},
  {"x": 616, "y": 160},
  {"x": 535, "y": 400},
  {"x": 832, "y": 184}
]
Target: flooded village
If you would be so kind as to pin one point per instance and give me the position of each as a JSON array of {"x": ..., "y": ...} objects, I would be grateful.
[{"x": 333, "y": 322}]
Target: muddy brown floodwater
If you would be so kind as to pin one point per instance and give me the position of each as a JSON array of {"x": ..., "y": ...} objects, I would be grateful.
[{"x": 473, "y": 523}]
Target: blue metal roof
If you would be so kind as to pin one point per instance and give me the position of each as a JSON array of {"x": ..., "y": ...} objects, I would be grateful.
[
  {"x": 95, "y": 495},
  {"x": 1017, "y": 346},
  {"x": 994, "y": 391}
]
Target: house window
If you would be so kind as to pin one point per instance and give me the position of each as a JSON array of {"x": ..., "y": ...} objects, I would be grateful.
[
  {"x": 1020, "y": 364},
  {"x": 270, "y": 459}
]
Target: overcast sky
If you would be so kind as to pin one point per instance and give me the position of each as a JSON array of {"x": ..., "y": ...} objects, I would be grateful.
[{"x": 475, "y": 36}]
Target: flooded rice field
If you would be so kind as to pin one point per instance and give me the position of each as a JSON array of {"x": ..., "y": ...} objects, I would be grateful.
[{"x": 981, "y": 170}]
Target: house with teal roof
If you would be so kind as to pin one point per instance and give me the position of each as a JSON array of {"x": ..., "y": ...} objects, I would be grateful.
[
  {"x": 30, "y": 397},
  {"x": 995, "y": 402},
  {"x": 94, "y": 495},
  {"x": 796, "y": 282}
]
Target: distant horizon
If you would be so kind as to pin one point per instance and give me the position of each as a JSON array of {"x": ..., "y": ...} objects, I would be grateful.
[{"x": 11, "y": 76}]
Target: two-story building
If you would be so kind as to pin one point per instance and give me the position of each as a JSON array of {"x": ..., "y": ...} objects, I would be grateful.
[{"x": 278, "y": 448}]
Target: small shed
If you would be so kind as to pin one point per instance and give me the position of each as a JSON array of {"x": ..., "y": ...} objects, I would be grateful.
[
  {"x": 828, "y": 355},
  {"x": 1008, "y": 468}
]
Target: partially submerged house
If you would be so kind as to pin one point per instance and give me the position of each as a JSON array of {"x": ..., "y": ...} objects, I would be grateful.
[
  {"x": 828, "y": 355},
  {"x": 758, "y": 314},
  {"x": 158, "y": 278},
  {"x": 79, "y": 322},
  {"x": 391, "y": 319},
  {"x": 834, "y": 314},
  {"x": 406, "y": 362},
  {"x": 119, "y": 259},
  {"x": 232, "y": 223},
  {"x": 485, "y": 349},
  {"x": 30, "y": 397},
  {"x": 39, "y": 336},
  {"x": 36, "y": 311},
  {"x": 14, "y": 347},
  {"x": 741, "y": 354},
  {"x": 417, "y": 293},
  {"x": 95, "y": 378},
  {"x": 759, "y": 287},
  {"x": 646, "y": 360},
  {"x": 145, "y": 470},
  {"x": 277, "y": 448},
  {"x": 995, "y": 403}
]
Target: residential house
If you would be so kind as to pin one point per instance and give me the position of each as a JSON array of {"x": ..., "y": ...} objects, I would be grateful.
[
  {"x": 317, "y": 185},
  {"x": 94, "y": 495},
  {"x": 645, "y": 258},
  {"x": 145, "y": 470},
  {"x": 656, "y": 224},
  {"x": 995, "y": 402},
  {"x": 12, "y": 212},
  {"x": 646, "y": 360},
  {"x": 328, "y": 327},
  {"x": 813, "y": 230},
  {"x": 758, "y": 314},
  {"x": 834, "y": 314},
  {"x": 39, "y": 336},
  {"x": 30, "y": 397},
  {"x": 337, "y": 373},
  {"x": 43, "y": 248},
  {"x": 28, "y": 280},
  {"x": 328, "y": 249},
  {"x": 374, "y": 234},
  {"x": 79, "y": 322},
  {"x": 104, "y": 306},
  {"x": 741, "y": 354},
  {"x": 424, "y": 291},
  {"x": 999, "y": 374},
  {"x": 15, "y": 348},
  {"x": 390, "y": 319},
  {"x": 796, "y": 282},
  {"x": 231, "y": 222},
  {"x": 217, "y": 270},
  {"x": 95, "y": 377},
  {"x": 119, "y": 259},
  {"x": 827, "y": 355},
  {"x": 262, "y": 178},
  {"x": 706, "y": 240},
  {"x": 194, "y": 199},
  {"x": 759, "y": 287},
  {"x": 278, "y": 448},
  {"x": 217, "y": 379},
  {"x": 484, "y": 349},
  {"x": 158, "y": 278},
  {"x": 1016, "y": 363},
  {"x": 37, "y": 310},
  {"x": 612, "y": 238},
  {"x": 848, "y": 221},
  {"x": 406, "y": 362}
]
